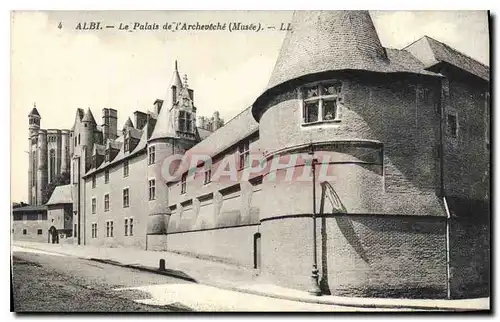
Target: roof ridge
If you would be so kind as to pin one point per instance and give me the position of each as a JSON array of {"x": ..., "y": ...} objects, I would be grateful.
[{"x": 456, "y": 50}]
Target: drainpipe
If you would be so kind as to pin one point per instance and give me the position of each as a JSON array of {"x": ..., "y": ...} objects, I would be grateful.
[
  {"x": 314, "y": 287},
  {"x": 448, "y": 268}
]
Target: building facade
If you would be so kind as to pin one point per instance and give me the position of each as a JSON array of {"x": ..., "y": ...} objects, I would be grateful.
[{"x": 404, "y": 132}]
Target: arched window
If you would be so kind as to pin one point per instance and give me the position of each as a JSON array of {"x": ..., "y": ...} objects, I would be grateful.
[{"x": 52, "y": 164}]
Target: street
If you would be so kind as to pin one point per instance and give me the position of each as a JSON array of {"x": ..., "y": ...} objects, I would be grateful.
[
  {"x": 49, "y": 283},
  {"x": 52, "y": 282}
]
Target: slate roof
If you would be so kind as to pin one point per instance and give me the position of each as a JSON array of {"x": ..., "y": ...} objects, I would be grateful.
[
  {"x": 30, "y": 208},
  {"x": 34, "y": 111},
  {"x": 61, "y": 195},
  {"x": 89, "y": 117},
  {"x": 325, "y": 41},
  {"x": 444, "y": 53}
]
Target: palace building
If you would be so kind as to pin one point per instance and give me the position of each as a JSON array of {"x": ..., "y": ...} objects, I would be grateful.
[{"x": 406, "y": 131}]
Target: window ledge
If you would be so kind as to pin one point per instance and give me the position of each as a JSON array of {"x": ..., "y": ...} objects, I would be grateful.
[{"x": 321, "y": 123}]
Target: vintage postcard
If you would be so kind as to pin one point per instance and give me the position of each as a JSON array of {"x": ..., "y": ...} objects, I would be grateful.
[{"x": 249, "y": 161}]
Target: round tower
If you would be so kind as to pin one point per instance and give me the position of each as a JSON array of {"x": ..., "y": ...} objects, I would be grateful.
[
  {"x": 164, "y": 142},
  {"x": 33, "y": 128},
  {"x": 65, "y": 151},
  {"x": 329, "y": 107},
  {"x": 42, "y": 175}
]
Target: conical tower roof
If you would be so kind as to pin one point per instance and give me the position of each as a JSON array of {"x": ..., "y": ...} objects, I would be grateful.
[
  {"x": 329, "y": 40},
  {"x": 128, "y": 124},
  {"x": 34, "y": 111},
  {"x": 89, "y": 117},
  {"x": 176, "y": 78}
]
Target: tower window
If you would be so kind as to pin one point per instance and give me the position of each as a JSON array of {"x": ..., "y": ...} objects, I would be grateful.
[
  {"x": 321, "y": 102},
  {"x": 152, "y": 189},
  {"x": 78, "y": 138},
  {"x": 452, "y": 123},
  {"x": 94, "y": 205},
  {"x": 184, "y": 183},
  {"x": 208, "y": 176},
  {"x": 125, "y": 168},
  {"x": 106, "y": 176},
  {"x": 151, "y": 155},
  {"x": 185, "y": 122}
]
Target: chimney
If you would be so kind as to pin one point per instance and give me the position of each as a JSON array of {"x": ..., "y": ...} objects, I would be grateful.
[
  {"x": 109, "y": 124},
  {"x": 140, "y": 119}
]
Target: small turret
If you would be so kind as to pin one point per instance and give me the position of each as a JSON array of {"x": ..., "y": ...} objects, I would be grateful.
[
  {"x": 34, "y": 121},
  {"x": 175, "y": 84}
]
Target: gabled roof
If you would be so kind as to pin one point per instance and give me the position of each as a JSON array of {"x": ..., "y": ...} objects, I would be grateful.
[
  {"x": 431, "y": 52},
  {"x": 61, "y": 195}
]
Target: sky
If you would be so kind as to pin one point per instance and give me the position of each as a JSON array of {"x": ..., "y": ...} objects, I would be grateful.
[{"x": 62, "y": 69}]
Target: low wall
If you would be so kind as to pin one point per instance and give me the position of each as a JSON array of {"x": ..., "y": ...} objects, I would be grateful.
[
  {"x": 32, "y": 227},
  {"x": 234, "y": 245}
]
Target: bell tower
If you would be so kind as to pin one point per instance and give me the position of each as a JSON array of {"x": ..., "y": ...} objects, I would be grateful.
[{"x": 33, "y": 129}]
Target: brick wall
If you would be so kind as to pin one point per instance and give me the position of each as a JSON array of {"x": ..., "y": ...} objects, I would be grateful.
[
  {"x": 466, "y": 170},
  {"x": 374, "y": 256}
]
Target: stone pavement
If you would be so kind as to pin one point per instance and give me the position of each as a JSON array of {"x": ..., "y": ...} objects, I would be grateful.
[{"x": 229, "y": 277}]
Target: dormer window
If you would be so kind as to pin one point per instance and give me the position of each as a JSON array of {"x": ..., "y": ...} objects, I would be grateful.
[
  {"x": 185, "y": 122},
  {"x": 321, "y": 102}
]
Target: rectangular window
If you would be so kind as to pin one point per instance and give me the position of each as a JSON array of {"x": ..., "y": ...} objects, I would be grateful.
[
  {"x": 94, "y": 230},
  {"x": 452, "y": 125},
  {"x": 75, "y": 231},
  {"x": 107, "y": 228},
  {"x": 94, "y": 205},
  {"x": 106, "y": 202},
  {"x": 321, "y": 102},
  {"x": 152, "y": 189},
  {"x": 131, "y": 220},
  {"x": 208, "y": 176},
  {"x": 151, "y": 155},
  {"x": 125, "y": 198},
  {"x": 93, "y": 181},
  {"x": 184, "y": 183},
  {"x": 126, "y": 227},
  {"x": 126, "y": 146},
  {"x": 107, "y": 155},
  {"x": 25, "y": 232},
  {"x": 244, "y": 154},
  {"x": 111, "y": 229},
  {"x": 106, "y": 176},
  {"x": 185, "y": 122},
  {"x": 39, "y": 232},
  {"x": 125, "y": 168}
]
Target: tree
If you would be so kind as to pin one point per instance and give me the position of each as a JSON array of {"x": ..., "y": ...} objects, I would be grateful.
[
  {"x": 19, "y": 204},
  {"x": 59, "y": 180}
]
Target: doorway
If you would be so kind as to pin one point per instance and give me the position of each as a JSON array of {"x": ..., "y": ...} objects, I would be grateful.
[
  {"x": 53, "y": 236},
  {"x": 256, "y": 251}
]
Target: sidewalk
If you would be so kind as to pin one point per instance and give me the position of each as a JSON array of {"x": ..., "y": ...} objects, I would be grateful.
[{"x": 233, "y": 278}]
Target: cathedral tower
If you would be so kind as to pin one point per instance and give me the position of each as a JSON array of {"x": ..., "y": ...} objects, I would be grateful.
[{"x": 34, "y": 127}]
